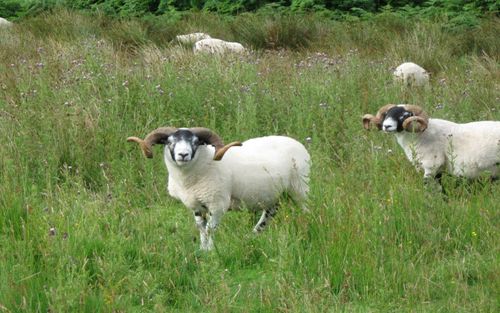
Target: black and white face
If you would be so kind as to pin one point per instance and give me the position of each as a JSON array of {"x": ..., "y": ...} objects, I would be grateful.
[
  {"x": 182, "y": 146},
  {"x": 394, "y": 118}
]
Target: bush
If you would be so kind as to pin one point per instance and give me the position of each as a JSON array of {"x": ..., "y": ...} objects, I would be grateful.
[{"x": 9, "y": 8}]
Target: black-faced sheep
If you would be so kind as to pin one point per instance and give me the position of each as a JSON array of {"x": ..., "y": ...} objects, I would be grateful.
[
  {"x": 209, "y": 178},
  {"x": 438, "y": 145}
]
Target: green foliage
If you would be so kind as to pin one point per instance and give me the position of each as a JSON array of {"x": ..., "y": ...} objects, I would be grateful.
[
  {"x": 9, "y": 8},
  {"x": 307, "y": 5},
  {"x": 460, "y": 13}
]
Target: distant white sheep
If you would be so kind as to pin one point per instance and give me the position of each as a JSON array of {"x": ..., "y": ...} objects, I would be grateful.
[
  {"x": 252, "y": 176},
  {"x": 217, "y": 46},
  {"x": 411, "y": 74},
  {"x": 190, "y": 39},
  {"x": 5, "y": 23}
]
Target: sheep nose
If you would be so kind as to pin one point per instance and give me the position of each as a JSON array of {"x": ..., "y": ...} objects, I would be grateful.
[
  {"x": 387, "y": 127},
  {"x": 183, "y": 155}
]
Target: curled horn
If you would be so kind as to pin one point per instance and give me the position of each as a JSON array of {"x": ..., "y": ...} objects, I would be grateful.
[
  {"x": 419, "y": 116},
  {"x": 158, "y": 135},
  {"x": 209, "y": 137},
  {"x": 378, "y": 118}
]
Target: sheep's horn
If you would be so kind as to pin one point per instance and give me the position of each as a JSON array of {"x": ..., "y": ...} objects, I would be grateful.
[
  {"x": 157, "y": 136},
  {"x": 416, "y": 110},
  {"x": 419, "y": 116},
  {"x": 378, "y": 118},
  {"x": 220, "y": 153},
  {"x": 409, "y": 124},
  {"x": 209, "y": 137},
  {"x": 367, "y": 120}
]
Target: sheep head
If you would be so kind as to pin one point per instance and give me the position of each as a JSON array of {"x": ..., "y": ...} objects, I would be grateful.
[
  {"x": 391, "y": 118},
  {"x": 204, "y": 136}
]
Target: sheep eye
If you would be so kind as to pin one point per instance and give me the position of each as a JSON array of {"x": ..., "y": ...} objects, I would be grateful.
[{"x": 404, "y": 116}]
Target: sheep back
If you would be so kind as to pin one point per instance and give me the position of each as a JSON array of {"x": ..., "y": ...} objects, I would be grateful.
[
  {"x": 463, "y": 149},
  {"x": 266, "y": 167},
  {"x": 411, "y": 74}
]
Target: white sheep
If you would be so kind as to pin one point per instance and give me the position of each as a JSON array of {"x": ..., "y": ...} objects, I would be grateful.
[
  {"x": 217, "y": 46},
  {"x": 437, "y": 145},
  {"x": 411, "y": 74},
  {"x": 252, "y": 176},
  {"x": 190, "y": 39},
  {"x": 5, "y": 23}
]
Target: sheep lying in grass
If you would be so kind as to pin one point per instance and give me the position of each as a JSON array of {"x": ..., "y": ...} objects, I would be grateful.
[
  {"x": 253, "y": 175},
  {"x": 436, "y": 145},
  {"x": 190, "y": 39},
  {"x": 411, "y": 74},
  {"x": 217, "y": 46},
  {"x": 5, "y": 23}
]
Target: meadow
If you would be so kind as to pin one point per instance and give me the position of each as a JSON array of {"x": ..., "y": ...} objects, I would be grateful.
[{"x": 86, "y": 224}]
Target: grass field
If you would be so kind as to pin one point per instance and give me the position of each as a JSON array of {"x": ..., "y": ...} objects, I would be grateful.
[{"x": 86, "y": 224}]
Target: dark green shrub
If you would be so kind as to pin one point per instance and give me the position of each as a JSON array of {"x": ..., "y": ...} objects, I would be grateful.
[{"x": 9, "y": 8}]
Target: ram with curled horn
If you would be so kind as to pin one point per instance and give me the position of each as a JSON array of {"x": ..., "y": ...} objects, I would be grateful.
[
  {"x": 210, "y": 178},
  {"x": 161, "y": 135},
  {"x": 436, "y": 145}
]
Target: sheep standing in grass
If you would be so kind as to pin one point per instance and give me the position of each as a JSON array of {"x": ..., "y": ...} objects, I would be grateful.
[
  {"x": 217, "y": 46},
  {"x": 190, "y": 39},
  {"x": 437, "y": 145},
  {"x": 253, "y": 176},
  {"x": 411, "y": 74}
]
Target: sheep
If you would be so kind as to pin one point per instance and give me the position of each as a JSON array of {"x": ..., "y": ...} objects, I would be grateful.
[
  {"x": 217, "y": 46},
  {"x": 436, "y": 145},
  {"x": 190, "y": 39},
  {"x": 253, "y": 176},
  {"x": 411, "y": 74},
  {"x": 5, "y": 23}
]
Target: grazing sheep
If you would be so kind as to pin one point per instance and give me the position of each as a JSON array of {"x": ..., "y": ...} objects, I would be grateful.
[
  {"x": 190, "y": 39},
  {"x": 437, "y": 145},
  {"x": 411, "y": 74},
  {"x": 253, "y": 176},
  {"x": 5, "y": 23},
  {"x": 217, "y": 46}
]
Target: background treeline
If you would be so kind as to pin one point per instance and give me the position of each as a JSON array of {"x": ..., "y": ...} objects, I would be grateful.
[{"x": 332, "y": 8}]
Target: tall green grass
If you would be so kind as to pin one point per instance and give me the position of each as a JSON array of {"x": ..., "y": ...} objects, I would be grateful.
[{"x": 86, "y": 224}]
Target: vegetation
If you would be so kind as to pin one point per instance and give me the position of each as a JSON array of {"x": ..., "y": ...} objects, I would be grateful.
[
  {"x": 86, "y": 224},
  {"x": 456, "y": 9}
]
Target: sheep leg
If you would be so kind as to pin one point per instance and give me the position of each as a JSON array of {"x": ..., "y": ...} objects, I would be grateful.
[
  {"x": 214, "y": 219},
  {"x": 266, "y": 215},
  {"x": 434, "y": 183},
  {"x": 206, "y": 242}
]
